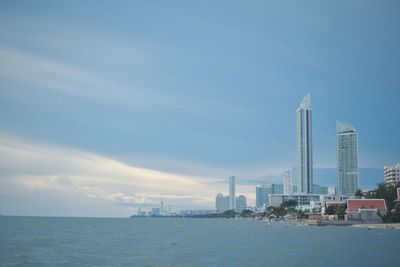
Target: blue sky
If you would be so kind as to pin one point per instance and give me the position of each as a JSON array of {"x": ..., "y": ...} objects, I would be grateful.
[{"x": 193, "y": 91}]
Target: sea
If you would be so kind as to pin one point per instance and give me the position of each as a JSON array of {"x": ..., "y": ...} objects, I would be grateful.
[{"x": 56, "y": 241}]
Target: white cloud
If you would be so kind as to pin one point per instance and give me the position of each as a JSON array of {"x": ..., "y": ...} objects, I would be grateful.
[
  {"x": 37, "y": 72},
  {"x": 39, "y": 167}
]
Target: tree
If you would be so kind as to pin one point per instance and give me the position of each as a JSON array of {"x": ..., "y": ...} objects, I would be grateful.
[
  {"x": 228, "y": 214},
  {"x": 246, "y": 213},
  {"x": 387, "y": 192},
  {"x": 341, "y": 211},
  {"x": 289, "y": 203},
  {"x": 359, "y": 193},
  {"x": 279, "y": 211},
  {"x": 331, "y": 210},
  {"x": 337, "y": 209}
]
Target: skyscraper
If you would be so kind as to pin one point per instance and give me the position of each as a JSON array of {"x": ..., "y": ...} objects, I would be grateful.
[
  {"x": 221, "y": 202},
  {"x": 304, "y": 146},
  {"x": 288, "y": 181},
  {"x": 347, "y": 158},
  {"x": 232, "y": 197}
]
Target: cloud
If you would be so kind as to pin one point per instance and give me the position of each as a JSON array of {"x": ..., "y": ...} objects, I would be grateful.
[
  {"x": 37, "y": 72},
  {"x": 38, "y": 167}
]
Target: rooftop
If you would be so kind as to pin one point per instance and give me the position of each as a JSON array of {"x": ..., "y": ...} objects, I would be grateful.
[{"x": 357, "y": 204}]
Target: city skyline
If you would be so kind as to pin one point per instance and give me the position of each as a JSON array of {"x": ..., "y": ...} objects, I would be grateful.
[{"x": 105, "y": 109}]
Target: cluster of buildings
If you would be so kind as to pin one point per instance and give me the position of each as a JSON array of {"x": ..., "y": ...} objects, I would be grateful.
[
  {"x": 156, "y": 212},
  {"x": 305, "y": 191},
  {"x": 310, "y": 196},
  {"x": 230, "y": 202}
]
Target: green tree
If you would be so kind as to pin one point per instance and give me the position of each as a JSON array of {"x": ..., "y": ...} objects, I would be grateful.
[
  {"x": 289, "y": 203},
  {"x": 279, "y": 211},
  {"x": 228, "y": 214},
  {"x": 341, "y": 211},
  {"x": 331, "y": 210},
  {"x": 359, "y": 193},
  {"x": 387, "y": 192},
  {"x": 247, "y": 213}
]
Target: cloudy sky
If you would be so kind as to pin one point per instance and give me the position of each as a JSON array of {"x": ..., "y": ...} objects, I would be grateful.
[{"x": 106, "y": 107}]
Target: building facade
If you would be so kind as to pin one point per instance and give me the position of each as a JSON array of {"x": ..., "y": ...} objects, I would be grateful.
[
  {"x": 320, "y": 189},
  {"x": 288, "y": 182},
  {"x": 276, "y": 200},
  {"x": 264, "y": 190},
  {"x": 221, "y": 202},
  {"x": 232, "y": 193},
  {"x": 304, "y": 146},
  {"x": 241, "y": 203},
  {"x": 347, "y": 159},
  {"x": 392, "y": 174}
]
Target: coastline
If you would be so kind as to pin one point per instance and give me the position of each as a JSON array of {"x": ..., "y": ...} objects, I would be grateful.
[
  {"x": 346, "y": 223},
  {"x": 378, "y": 225}
]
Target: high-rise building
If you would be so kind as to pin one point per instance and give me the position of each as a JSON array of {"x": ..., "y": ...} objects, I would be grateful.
[
  {"x": 221, "y": 202},
  {"x": 241, "y": 203},
  {"x": 392, "y": 174},
  {"x": 347, "y": 158},
  {"x": 320, "y": 189},
  {"x": 232, "y": 196},
  {"x": 264, "y": 190},
  {"x": 288, "y": 182},
  {"x": 262, "y": 195},
  {"x": 304, "y": 146}
]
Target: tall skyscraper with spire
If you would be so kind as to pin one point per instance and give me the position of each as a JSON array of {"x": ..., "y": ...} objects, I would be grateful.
[
  {"x": 304, "y": 146},
  {"x": 347, "y": 158},
  {"x": 232, "y": 196}
]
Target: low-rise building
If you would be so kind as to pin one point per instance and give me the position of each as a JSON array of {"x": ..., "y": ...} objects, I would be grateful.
[
  {"x": 264, "y": 190},
  {"x": 332, "y": 200},
  {"x": 365, "y": 210},
  {"x": 301, "y": 199}
]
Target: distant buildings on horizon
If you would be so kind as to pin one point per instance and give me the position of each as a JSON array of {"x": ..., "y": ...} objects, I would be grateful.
[
  {"x": 230, "y": 202},
  {"x": 305, "y": 191}
]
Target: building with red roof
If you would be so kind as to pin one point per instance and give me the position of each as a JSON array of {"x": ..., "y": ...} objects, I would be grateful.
[{"x": 365, "y": 210}]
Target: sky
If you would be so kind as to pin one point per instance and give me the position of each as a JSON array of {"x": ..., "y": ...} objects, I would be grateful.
[{"x": 106, "y": 107}]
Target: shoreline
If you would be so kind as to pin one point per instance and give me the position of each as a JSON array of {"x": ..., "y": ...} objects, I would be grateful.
[
  {"x": 347, "y": 224},
  {"x": 377, "y": 225}
]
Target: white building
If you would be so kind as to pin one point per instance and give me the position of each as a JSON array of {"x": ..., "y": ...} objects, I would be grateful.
[
  {"x": 241, "y": 203},
  {"x": 288, "y": 182},
  {"x": 304, "y": 146},
  {"x": 275, "y": 200},
  {"x": 221, "y": 202},
  {"x": 232, "y": 196},
  {"x": 347, "y": 159},
  {"x": 264, "y": 190},
  {"x": 329, "y": 200},
  {"x": 392, "y": 174}
]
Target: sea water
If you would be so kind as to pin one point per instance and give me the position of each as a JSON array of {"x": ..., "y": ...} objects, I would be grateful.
[{"x": 50, "y": 241}]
